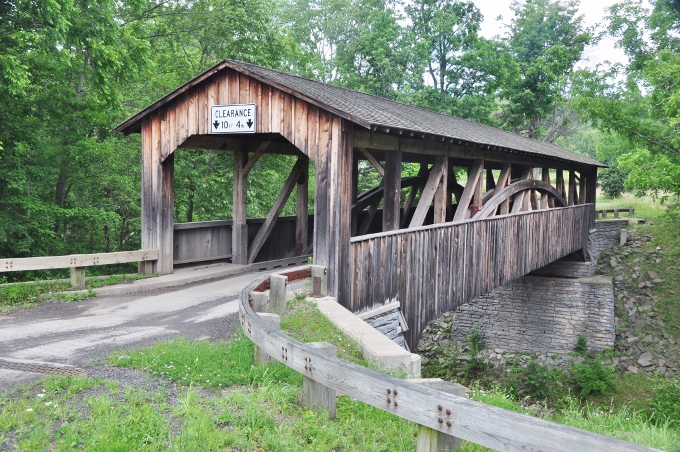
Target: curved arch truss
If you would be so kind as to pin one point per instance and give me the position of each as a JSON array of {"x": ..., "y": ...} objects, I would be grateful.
[{"x": 518, "y": 190}]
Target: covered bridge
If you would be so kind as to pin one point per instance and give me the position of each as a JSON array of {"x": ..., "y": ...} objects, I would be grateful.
[{"x": 485, "y": 207}]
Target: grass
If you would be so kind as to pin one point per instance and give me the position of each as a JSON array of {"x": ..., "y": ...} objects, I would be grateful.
[{"x": 28, "y": 294}]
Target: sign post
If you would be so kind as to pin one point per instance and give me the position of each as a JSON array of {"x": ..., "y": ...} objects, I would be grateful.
[{"x": 236, "y": 118}]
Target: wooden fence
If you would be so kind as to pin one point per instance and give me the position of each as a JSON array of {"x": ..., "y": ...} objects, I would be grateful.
[
  {"x": 211, "y": 240},
  {"x": 433, "y": 269},
  {"x": 78, "y": 262},
  {"x": 602, "y": 213},
  {"x": 446, "y": 413}
]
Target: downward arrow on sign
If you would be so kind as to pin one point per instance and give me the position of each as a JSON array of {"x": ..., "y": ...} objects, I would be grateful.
[
  {"x": 216, "y": 124},
  {"x": 250, "y": 123}
]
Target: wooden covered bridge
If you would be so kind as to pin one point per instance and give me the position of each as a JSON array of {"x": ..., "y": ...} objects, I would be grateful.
[{"x": 483, "y": 208}]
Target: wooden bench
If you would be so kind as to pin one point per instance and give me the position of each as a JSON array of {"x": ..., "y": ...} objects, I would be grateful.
[
  {"x": 78, "y": 262},
  {"x": 602, "y": 213}
]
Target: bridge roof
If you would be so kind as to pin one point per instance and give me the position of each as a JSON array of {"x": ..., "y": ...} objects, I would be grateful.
[{"x": 376, "y": 113}]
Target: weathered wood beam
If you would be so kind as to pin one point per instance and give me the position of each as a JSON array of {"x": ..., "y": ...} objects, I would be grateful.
[
  {"x": 376, "y": 164},
  {"x": 239, "y": 230},
  {"x": 559, "y": 183},
  {"x": 504, "y": 181},
  {"x": 582, "y": 188},
  {"x": 490, "y": 183},
  {"x": 451, "y": 183},
  {"x": 392, "y": 197},
  {"x": 258, "y": 153},
  {"x": 355, "y": 191},
  {"x": 572, "y": 188},
  {"x": 428, "y": 193},
  {"x": 302, "y": 209},
  {"x": 521, "y": 201},
  {"x": 533, "y": 198},
  {"x": 441, "y": 203},
  {"x": 546, "y": 201},
  {"x": 469, "y": 191},
  {"x": 276, "y": 209}
]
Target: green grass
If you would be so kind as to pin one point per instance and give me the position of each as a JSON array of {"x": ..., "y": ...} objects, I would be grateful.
[{"x": 27, "y": 294}]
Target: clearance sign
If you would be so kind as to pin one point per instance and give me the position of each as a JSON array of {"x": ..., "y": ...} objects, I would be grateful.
[{"x": 237, "y": 118}]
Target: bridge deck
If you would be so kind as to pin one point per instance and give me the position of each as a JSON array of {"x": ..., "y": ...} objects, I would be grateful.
[{"x": 433, "y": 269}]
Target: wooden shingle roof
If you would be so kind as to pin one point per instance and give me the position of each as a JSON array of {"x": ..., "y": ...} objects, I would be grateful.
[{"x": 374, "y": 112}]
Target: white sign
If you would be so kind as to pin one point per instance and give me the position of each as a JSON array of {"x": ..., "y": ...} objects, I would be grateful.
[{"x": 237, "y": 118}]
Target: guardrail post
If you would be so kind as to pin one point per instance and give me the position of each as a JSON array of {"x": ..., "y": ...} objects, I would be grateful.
[
  {"x": 78, "y": 277},
  {"x": 277, "y": 294},
  {"x": 259, "y": 301},
  {"x": 616, "y": 213},
  {"x": 145, "y": 267},
  {"x": 274, "y": 322},
  {"x": 631, "y": 212},
  {"x": 316, "y": 396},
  {"x": 319, "y": 281},
  {"x": 624, "y": 237},
  {"x": 430, "y": 440}
]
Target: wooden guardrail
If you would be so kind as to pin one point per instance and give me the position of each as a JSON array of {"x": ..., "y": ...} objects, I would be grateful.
[
  {"x": 78, "y": 262},
  {"x": 602, "y": 213},
  {"x": 445, "y": 413}
]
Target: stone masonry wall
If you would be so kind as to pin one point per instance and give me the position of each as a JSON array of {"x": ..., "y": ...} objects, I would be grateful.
[
  {"x": 538, "y": 314},
  {"x": 547, "y": 310},
  {"x": 389, "y": 321}
]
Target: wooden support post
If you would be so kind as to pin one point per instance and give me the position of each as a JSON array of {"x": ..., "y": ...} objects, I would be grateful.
[
  {"x": 277, "y": 294},
  {"x": 239, "y": 229},
  {"x": 332, "y": 206},
  {"x": 274, "y": 322},
  {"x": 478, "y": 197},
  {"x": 504, "y": 181},
  {"x": 451, "y": 183},
  {"x": 533, "y": 198},
  {"x": 145, "y": 267},
  {"x": 78, "y": 277},
  {"x": 256, "y": 156},
  {"x": 259, "y": 301},
  {"x": 582, "y": 188},
  {"x": 547, "y": 202},
  {"x": 316, "y": 396},
  {"x": 428, "y": 193},
  {"x": 559, "y": 183},
  {"x": 392, "y": 199},
  {"x": 319, "y": 281},
  {"x": 276, "y": 209},
  {"x": 378, "y": 167},
  {"x": 474, "y": 177},
  {"x": 370, "y": 215},
  {"x": 572, "y": 188},
  {"x": 442, "y": 193},
  {"x": 430, "y": 440},
  {"x": 355, "y": 192},
  {"x": 490, "y": 183},
  {"x": 302, "y": 209},
  {"x": 157, "y": 192},
  {"x": 591, "y": 187}
]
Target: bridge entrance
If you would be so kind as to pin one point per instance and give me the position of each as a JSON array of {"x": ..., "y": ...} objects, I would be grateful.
[{"x": 455, "y": 208}]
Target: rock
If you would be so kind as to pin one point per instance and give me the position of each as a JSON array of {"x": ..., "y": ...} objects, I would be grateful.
[
  {"x": 632, "y": 340},
  {"x": 662, "y": 362},
  {"x": 498, "y": 350},
  {"x": 579, "y": 360},
  {"x": 632, "y": 369},
  {"x": 615, "y": 361},
  {"x": 648, "y": 338},
  {"x": 645, "y": 359},
  {"x": 661, "y": 370}
]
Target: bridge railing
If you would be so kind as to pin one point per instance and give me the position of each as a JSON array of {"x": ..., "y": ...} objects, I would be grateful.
[
  {"x": 433, "y": 269},
  {"x": 442, "y": 412},
  {"x": 78, "y": 262}
]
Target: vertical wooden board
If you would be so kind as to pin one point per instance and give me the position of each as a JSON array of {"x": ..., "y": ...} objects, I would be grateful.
[
  {"x": 165, "y": 242},
  {"x": 233, "y": 82},
  {"x": 276, "y": 109},
  {"x": 202, "y": 109},
  {"x": 156, "y": 179},
  {"x": 321, "y": 201},
  {"x": 301, "y": 126},
  {"x": 147, "y": 187},
  {"x": 312, "y": 131},
  {"x": 222, "y": 85},
  {"x": 172, "y": 131},
  {"x": 244, "y": 89},
  {"x": 256, "y": 98},
  {"x": 192, "y": 112},
  {"x": 182, "y": 119},
  {"x": 288, "y": 118}
]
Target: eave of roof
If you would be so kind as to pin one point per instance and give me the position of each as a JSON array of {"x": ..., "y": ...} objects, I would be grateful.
[{"x": 523, "y": 145}]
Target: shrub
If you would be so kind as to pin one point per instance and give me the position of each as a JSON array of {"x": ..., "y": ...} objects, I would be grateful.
[
  {"x": 538, "y": 380},
  {"x": 612, "y": 180},
  {"x": 581, "y": 345},
  {"x": 666, "y": 404},
  {"x": 593, "y": 377}
]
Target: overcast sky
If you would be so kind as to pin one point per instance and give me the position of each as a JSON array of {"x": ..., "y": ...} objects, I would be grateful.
[{"x": 592, "y": 10}]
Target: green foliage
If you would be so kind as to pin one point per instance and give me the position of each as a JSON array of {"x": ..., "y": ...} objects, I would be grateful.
[
  {"x": 475, "y": 363},
  {"x": 581, "y": 346},
  {"x": 538, "y": 380},
  {"x": 612, "y": 180},
  {"x": 22, "y": 293},
  {"x": 593, "y": 377},
  {"x": 666, "y": 404}
]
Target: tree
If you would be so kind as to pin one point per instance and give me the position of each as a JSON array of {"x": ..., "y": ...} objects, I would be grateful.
[{"x": 547, "y": 39}]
